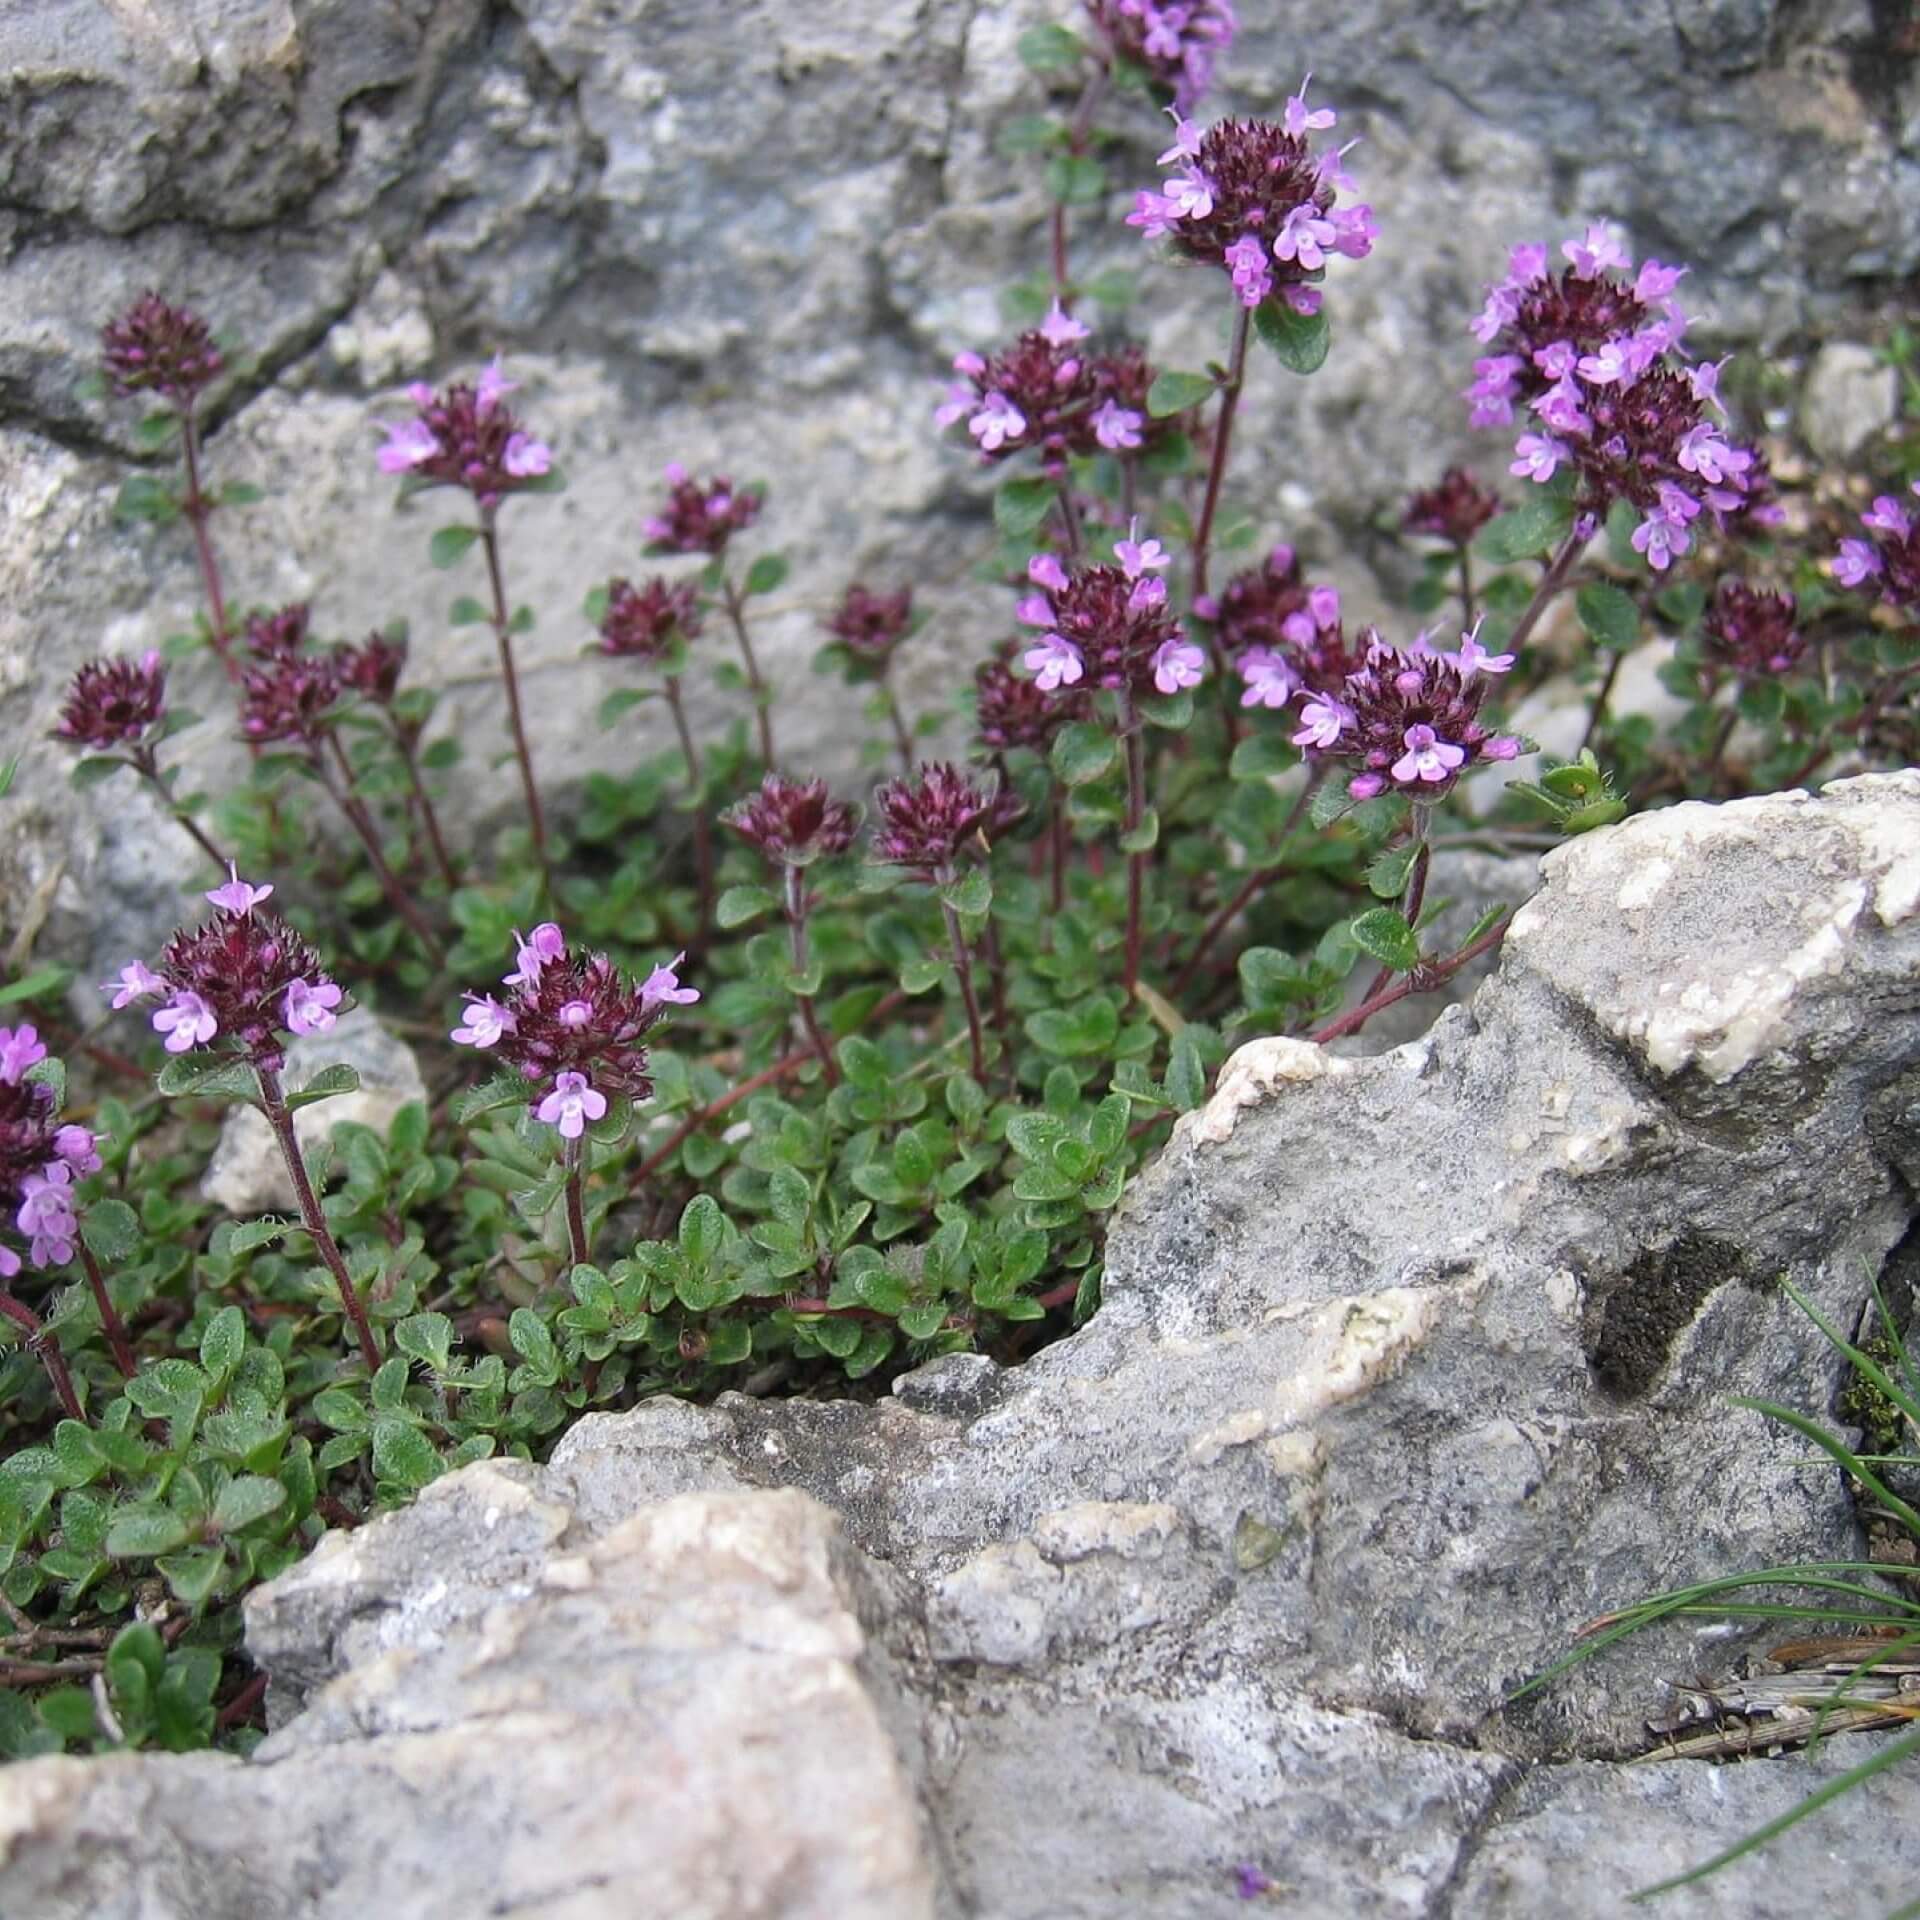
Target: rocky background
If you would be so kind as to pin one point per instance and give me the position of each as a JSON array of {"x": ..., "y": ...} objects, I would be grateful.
[{"x": 750, "y": 236}]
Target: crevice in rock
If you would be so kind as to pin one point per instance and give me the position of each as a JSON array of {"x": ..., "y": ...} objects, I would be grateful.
[{"x": 1637, "y": 1317}]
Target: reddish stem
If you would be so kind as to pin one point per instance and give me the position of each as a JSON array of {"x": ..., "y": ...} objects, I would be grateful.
[
  {"x": 441, "y": 858},
  {"x": 149, "y": 770},
  {"x": 273, "y": 1103},
  {"x": 503, "y": 635},
  {"x": 48, "y": 1348},
  {"x": 902, "y": 739},
  {"x": 1136, "y": 812},
  {"x": 110, "y": 1322},
  {"x": 199, "y": 511},
  {"x": 737, "y": 614},
  {"x": 1423, "y": 979},
  {"x": 576, "y": 1208},
  {"x": 963, "y": 967},
  {"x": 797, "y": 944},
  {"x": 362, "y": 822},
  {"x": 242, "y": 1705},
  {"x": 702, "y": 829}
]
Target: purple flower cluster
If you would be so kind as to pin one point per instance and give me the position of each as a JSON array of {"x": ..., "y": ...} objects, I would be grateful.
[
  {"x": 700, "y": 516},
  {"x": 157, "y": 348},
  {"x": 870, "y": 625},
  {"x": 1271, "y": 624},
  {"x": 1889, "y": 556},
  {"x": 641, "y": 623},
  {"x": 39, "y": 1158},
  {"x": 1174, "y": 42},
  {"x": 574, "y": 1025},
  {"x": 372, "y": 668},
  {"x": 293, "y": 692},
  {"x": 1108, "y": 626},
  {"x": 1252, "y": 198},
  {"x": 1455, "y": 510},
  {"x": 792, "y": 822},
  {"x": 1595, "y": 356},
  {"x": 1407, "y": 718},
  {"x": 1049, "y": 391},
  {"x": 465, "y": 437},
  {"x": 1011, "y": 710},
  {"x": 923, "y": 821},
  {"x": 1751, "y": 631},
  {"x": 115, "y": 703},
  {"x": 244, "y": 974}
]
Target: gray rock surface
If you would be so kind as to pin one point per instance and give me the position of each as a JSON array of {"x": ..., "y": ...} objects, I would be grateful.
[
  {"x": 687, "y": 1717},
  {"x": 1407, "y": 1367},
  {"x": 246, "y": 1173},
  {"x": 1850, "y": 395},
  {"x": 751, "y": 236}
]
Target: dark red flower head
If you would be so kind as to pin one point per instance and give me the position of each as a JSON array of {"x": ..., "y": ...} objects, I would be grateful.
[
  {"x": 793, "y": 822},
  {"x": 925, "y": 820},
  {"x": 373, "y": 668},
  {"x": 700, "y": 516},
  {"x": 157, "y": 348},
  {"x": 870, "y": 625},
  {"x": 1174, "y": 43},
  {"x": 1750, "y": 631},
  {"x": 115, "y": 703},
  {"x": 1455, "y": 510},
  {"x": 465, "y": 437},
  {"x": 279, "y": 635},
  {"x": 1014, "y": 711},
  {"x": 253, "y": 975},
  {"x": 641, "y": 623},
  {"x": 289, "y": 698}
]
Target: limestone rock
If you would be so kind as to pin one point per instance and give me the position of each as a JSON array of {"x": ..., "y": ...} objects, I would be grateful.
[
  {"x": 1849, "y": 396},
  {"x": 687, "y": 1717},
  {"x": 246, "y": 1173}
]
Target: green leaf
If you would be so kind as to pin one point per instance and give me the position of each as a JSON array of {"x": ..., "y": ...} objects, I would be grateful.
[
  {"x": 1030, "y": 133},
  {"x": 1330, "y": 801},
  {"x": 1173, "y": 711},
  {"x": 95, "y": 768},
  {"x": 503, "y": 1090},
  {"x": 249, "y": 1498},
  {"x": 766, "y": 573},
  {"x": 111, "y": 1229},
  {"x": 1623, "y": 520},
  {"x": 467, "y": 612},
  {"x": 1387, "y": 876},
  {"x": 324, "y": 1085},
  {"x": 1384, "y": 934},
  {"x": 1608, "y": 616},
  {"x": 145, "y": 498},
  {"x": 738, "y": 905},
  {"x": 1076, "y": 179},
  {"x": 532, "y": 1342},
  {"x": 449, "y": 545},
  {"x": 1529, "y": 531},
  {"x": 622, "y": 700},
  {"x": 139, "y": 1533},
  {"x": 241, "y": 493},
  {"x": 702, "y": 1230},
  {"x": 40, "y": 982},
  {"x": 1082, "y": 752},
  {"x": 403, "y": 1455},
  {"x": 1173, "y": 393},
  {"x": 1262, "y": 755},
  {"x": 1145, "y": 837},
  {"x": 258, "y": 1233},
  {"x": 971, "y": 893},
  {"x": 1021, "y": 505},
  {"x": 208, "y": 1076},
  {"x": 426, "y": 1337},
  {"x": 1299, "y": 340},
  {"x": 1047, "y": 49},
  {"x": 223, "y": 1344},
  {"x": 193, "y": 1575}
]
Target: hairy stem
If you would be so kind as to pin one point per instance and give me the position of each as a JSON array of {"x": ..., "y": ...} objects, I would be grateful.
[
  {"x": 797, "y": 939},
  {"x": 149, "y": 770},
  {"x": 1416, "y": 890},
  {"x": 1135, "y": 749},
  {"x": 1722, "y": 734},
  {"x": 1465, "y": 552},
  {"x": 1551, "y": 582},
  {"x": 575, "y": 1155},
  {"x": 1423, "y": 979},
  {"x": 198, "y": 509},
  {"x": 1597, "y": 713},
  {"x": 110, "y": 1322},
  {"x": 1058, "y": 845},
  {"x": 48, "y": 1348},
  {"x": 1222, "y": 441},
  {"x": 273, "y": 1103},
  {"x": 362, "y": 822},
  {"x": 902, "y": 739},
  {"x": 763, "y": 718},
  {"x": 702, "y": 828},
  {"x": 503, "y": 636},
  {"x": 1255, "y": 883},
  {"x": 963, "y": 967},
  {"x": 408, "y": 744}
]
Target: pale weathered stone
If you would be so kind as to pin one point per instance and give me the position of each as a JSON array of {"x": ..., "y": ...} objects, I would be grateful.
[
  {"x": 685, "y": 1718},
  {"x": 247, "y": 1174},
  {"x": 1851, "y": 394}
]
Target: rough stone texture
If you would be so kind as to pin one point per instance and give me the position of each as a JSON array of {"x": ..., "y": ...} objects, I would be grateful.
[
  {"x": 752, "y": 235},
  {"x": 247, "y": 1174},
  {"x": 687, "y": 1716},
  {"x": 1408, "y": 1366},
  {"x": 1851, "y": 394}
]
